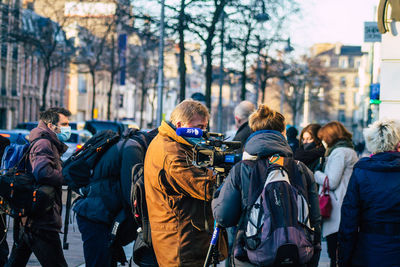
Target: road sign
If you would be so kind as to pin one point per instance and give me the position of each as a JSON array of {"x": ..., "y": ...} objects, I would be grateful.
[
  {"x": 374, "y": 93},
  {"x": 371, "y": 32}
]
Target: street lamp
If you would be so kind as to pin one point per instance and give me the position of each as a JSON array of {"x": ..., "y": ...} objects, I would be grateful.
[{"x": 160, "y": 84}]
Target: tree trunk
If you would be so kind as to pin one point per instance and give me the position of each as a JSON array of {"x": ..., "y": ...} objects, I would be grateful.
[
  {"x": 244, "y": 62},
  {"x": 93, "y": 74},
  {"x": 109, "y": 95},
  {"x": 209, "y": 48},
  {"x": 208, "y": 53},
  {"x": 182, "y": 65},
  {"x": 46, "y": 78},
  {"x": 244, "y": 76},
  {"x": 144, "y": 90}
]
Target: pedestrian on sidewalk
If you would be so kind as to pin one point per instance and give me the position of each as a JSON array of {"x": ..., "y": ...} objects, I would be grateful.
[
  {"x": 311, "y": 151},
  {"x": 369, "y": 233},
  {"x": 40, "y": 235},
  {"x": 341, "y": 158}
]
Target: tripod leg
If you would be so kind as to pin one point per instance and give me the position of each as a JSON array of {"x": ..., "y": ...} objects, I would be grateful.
[{"x": 213, "y": 246}]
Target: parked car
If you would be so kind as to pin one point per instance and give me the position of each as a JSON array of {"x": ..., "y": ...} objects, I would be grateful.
[
  {"x": 95, "y": 126},
  {"x": 16, "y": 135},
  {"x": 27, "y": 125},
  {"x": 76, "y": 141}
]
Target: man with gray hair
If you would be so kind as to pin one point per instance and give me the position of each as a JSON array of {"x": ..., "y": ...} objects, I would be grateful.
[{"x": 242, "y": 113}]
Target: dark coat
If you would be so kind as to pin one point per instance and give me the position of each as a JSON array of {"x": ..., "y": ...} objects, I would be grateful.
[
  {"x": 46, "y": 167},
  {"x": 232, "y": 200},
  {"x": 310, "y": 157},
  {"x": 102, "y": 199},
  {"x": 372, "y": 204},
  {"x": 243, "y": 133}
]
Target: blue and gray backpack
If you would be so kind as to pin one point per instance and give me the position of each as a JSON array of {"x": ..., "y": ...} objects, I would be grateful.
[{"x": 276, "y": 225}]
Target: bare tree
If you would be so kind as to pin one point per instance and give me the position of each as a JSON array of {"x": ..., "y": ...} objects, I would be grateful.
[
  {"x": 45, "y": 38},
  {"x": 308, "y": 73}
]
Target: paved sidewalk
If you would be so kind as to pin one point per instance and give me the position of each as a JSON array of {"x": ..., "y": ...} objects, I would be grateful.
[{"x": 74, "y": 255}]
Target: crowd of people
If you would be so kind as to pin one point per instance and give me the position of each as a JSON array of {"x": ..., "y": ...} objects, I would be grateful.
[{"x": 183, "y": 204}]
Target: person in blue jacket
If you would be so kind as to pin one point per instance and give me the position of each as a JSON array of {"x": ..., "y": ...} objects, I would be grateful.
[{"x": 369, "y": 232}]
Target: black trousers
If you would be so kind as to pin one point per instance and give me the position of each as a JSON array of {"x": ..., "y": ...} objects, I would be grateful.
[
  {"x": 332, "y": 242},
  {"x": 3, "y": 240},
  {"x": 46, "y": 245}
]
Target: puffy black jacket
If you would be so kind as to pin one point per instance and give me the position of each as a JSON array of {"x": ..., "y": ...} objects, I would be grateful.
[
  {"x": 243, "y": 133},
  {"x": 232, "y": 200},
  {"x": 104, "y": 197},
  {"x": 369, "y": 232}
]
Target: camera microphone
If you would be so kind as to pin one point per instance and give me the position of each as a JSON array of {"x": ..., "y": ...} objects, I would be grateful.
[{"x": 190, "y": 132}]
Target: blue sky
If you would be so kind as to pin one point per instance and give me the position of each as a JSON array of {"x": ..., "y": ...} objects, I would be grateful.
[{"x": 332, "y": 21}]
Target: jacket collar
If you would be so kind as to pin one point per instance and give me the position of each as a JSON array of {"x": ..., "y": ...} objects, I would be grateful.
[
  {"x": 167, "y": 129},
  {"x": 267, "y": 143},
  {"x": 42, "y": 131}
]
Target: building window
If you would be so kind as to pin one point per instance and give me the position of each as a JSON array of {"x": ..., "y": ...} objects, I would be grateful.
[
  {"x": 341, "y": 98},
  {"x": 3, "y": 80},
  {"x": 356, "y": 81},
  {"x": 82, "y": 83},
  {"x": 121, "y": 101},
  {"x": 14, "y": 82},
  {"x": 342, "y": 116},
  {"x": 351, "y": 62},
  {"x": 343, "y": 63},
  {"x": 355, "y": 99},
  {"x": 342, "y": 81}
]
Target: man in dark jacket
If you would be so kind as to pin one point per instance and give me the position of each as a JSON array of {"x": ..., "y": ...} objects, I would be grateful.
[
  {"x": 4, "y": 142},
  {"x": 40, "y": 235},
  {"x": 106, "y": 199},
  {"x": 242, "y": 113}
]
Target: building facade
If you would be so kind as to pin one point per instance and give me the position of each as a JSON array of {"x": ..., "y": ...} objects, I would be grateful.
[{"x": 348, "y": 70}]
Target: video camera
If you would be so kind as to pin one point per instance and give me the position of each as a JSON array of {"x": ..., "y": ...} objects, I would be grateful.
[{"x": 212, "y": 150}]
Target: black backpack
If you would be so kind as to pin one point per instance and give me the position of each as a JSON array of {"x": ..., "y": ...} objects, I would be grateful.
[
  {"x": 20, "y": 195},
  {"x": 275, "y": 226},
  {"x": 78, "y": 168}
]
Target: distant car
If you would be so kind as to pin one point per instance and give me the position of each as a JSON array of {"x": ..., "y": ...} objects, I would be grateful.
[
  {"x": 76, "y": 141},
  {"x": 16, "y": 135},
  {"x": 130, "y": 124},
  {"x": 95, "y": 126},
  {"x": 27, "y": 125},
  {"x": 33, "y": 124}
]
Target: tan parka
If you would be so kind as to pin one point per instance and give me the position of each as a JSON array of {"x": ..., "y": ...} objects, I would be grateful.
[{"x": 175, "y": 193}]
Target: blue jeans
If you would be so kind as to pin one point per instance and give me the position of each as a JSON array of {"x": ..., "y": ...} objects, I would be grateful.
[{"x": 96, "y": 239}]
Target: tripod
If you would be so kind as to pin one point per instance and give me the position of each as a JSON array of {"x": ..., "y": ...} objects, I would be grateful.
[{"x": 213, "y": 253}]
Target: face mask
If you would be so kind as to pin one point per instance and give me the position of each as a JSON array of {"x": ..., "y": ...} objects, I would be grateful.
[
  {"x": 309, "y": 146},
  {"x": 65, "y": 133},
  {"x": 325, "y": 144}
]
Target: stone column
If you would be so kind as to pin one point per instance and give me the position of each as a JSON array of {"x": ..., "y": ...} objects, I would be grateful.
[{"x": 390, "y": 73}]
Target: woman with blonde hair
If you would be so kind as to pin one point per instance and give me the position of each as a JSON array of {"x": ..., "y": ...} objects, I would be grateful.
[
  {"x": 340, "y": 160},
  {"x": 267, "y": 141},
  {"x": 369, "y": 233}
]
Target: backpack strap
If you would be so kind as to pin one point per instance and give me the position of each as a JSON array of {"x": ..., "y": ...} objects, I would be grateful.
[{"x": 25, "y": 157}]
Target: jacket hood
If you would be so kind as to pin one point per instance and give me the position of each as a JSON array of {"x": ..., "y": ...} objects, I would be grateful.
[
  {"x": 43, "y": 131},
  {"x": 167, "y": 129},
  {"x": 267, "y": 143},
  {"x": 381, "y": 162}
]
